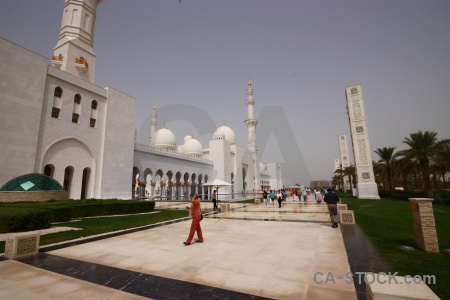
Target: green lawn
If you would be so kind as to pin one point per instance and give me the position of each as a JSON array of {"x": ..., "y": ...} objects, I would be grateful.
[
  {"x": 388, "y": 224},
  {"x": 93, "y": 226}
]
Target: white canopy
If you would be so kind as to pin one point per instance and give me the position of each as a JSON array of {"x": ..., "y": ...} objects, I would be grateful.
[{"x": 217, "y": 183}]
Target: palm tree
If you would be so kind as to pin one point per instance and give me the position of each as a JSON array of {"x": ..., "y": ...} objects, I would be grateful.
[
  {"x": 378, "y": 172},
  {"x": 424, "y": 147},
  {"x": 442, "y": 163},
  {"x": 336, "y": 181},
  {"x": 338, "y": 177},
  {"x": 387, "y": 158},
  {"x": 352, "y": 170},
  {"x": 406, "y": 167}
]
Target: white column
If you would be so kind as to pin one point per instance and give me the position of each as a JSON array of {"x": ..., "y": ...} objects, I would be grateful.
[
  {"x": 367, "y": 188},
  {"x": 153, "y": 124},
  {"x": 343, "y": 148}
]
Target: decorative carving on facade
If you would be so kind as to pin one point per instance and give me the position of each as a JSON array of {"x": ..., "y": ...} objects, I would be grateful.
[
  {"x": 356, "y": 110},
  {"x": 347, "y": 217},
  {"x": 26, "y": 245},
  {"x": 359, "y": 129},
  {"x": 362, "y": 150},
  {"x": 354, "y": 91},
  {"x": 365, "y": 175}
]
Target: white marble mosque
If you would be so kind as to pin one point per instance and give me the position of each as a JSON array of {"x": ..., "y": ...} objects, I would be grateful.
[{"x": 56, "y": 121}]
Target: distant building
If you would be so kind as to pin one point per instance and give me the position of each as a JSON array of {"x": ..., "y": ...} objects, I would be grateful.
[{"x": 320, "y": 183}]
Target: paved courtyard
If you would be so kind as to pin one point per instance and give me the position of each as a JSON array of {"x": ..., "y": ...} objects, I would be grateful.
[{"x": 250, "y": 252}]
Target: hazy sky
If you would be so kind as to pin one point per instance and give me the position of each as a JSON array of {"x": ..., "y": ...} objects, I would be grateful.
[{"x": 197, "y": 55}]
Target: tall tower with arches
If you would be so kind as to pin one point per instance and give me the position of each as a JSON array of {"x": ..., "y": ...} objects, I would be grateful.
[{"x": 74, "y": 51}]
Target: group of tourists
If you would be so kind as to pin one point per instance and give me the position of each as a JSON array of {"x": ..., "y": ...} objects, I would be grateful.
[
  {"x": 326, "y": 195},
  {"x": 280, "y": 195}
]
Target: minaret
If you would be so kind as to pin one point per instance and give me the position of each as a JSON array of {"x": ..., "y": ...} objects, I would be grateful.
[
  {"x": 251, "y": 122},
  {"x": 74, "y": 52},
  {"x": 153, "y": 124}
]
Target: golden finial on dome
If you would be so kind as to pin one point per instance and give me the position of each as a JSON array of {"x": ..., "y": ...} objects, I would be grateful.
[
  {"x": 224, "y": 124},
  {"x": 192, "y": 135},
  {"x": 154, "y": 106},
  {"x": 164, "y": 126},
  {"x": 249, "y": 83}
]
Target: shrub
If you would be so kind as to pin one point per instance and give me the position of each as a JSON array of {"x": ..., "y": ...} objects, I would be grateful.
[
  {"x": 17, "y": 220},
  {"x": 26, "y": 216}
]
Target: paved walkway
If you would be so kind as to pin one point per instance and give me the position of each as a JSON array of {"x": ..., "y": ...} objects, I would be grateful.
[{"x": 250, "y": 252}]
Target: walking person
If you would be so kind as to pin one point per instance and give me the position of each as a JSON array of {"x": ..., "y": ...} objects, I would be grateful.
[
  {"x": 305, "y": 195},
  {"x": 265, "y": 198},
  {"x": 214, "y": 199},
  {"x": 293, "y": 192},
  {"x": 318, "y": 196},
  {"x": 196, "y": 215},
  {"x": 271, "y": 197},
  {"x": 332, "y": 199},
  {"x": 279, "y": 198}
]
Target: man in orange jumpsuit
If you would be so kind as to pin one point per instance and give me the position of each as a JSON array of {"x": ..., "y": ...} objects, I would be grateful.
[{"x": 196, "y": 218}]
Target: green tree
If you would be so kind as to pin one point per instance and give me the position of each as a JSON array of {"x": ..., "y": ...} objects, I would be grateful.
[
  {"x": 424, "y": 147},
  {"x": 387, "y": 157},
  {"x": 338, "y": 178},
  {"x": 350, "y": 171}
]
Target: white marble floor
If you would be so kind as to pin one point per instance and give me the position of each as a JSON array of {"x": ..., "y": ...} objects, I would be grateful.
[{"x": 280, "y": 253}]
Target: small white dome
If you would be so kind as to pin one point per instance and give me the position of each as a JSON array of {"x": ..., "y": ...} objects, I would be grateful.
[
  {"x": 186, "y": 138},
  {"x": 193, "y": 146},
  {"x": 164, "y": 138},
  {"x": 229, "y": 133},
  {"x": 219, "y": 134}
]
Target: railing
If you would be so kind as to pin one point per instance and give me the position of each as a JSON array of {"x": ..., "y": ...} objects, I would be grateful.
[
  {"x": 81, "y": 61},
  {"x": 172, "y": 153},
  {"x": 183, "y": 197},
  {"x": 58, "y": 58}
]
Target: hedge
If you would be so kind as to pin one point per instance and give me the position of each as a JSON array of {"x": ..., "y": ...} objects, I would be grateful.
[
  {"x": 440, "y": 196},
  {"x": 17, "y": 220},
  {"x": 26, "y": 216}
]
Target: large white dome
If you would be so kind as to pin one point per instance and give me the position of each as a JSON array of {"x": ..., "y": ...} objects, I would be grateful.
[
  {"x": 228, "y": 132},
  {"x": 164, "y": 138},
  {"x": 193, "y": 147}
]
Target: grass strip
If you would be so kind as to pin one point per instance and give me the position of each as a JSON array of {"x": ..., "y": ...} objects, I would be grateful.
[
  {"x": 389, "y": 224},
  {"x": 93, "y": 226}
]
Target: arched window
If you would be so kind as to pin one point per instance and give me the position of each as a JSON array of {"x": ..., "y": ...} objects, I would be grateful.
[
  {"x": 68, "y": 173},
  {"x": 77, "y": 99},
  {"x": 85, "y": 183},
  {"x": 49, "y": 170},
  {"x": 58, "y": 92},
  {"x": 93, "y": 121},
  {"x": 57, "y": 103},
  {"x": 76, "y": 109},
  {"x": 86, "y": 22},
  {"x": 74, "y": 16}
]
